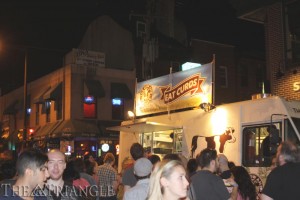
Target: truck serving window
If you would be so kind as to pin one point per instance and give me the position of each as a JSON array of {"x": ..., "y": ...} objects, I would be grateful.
[{"x": 258, "y": 147}]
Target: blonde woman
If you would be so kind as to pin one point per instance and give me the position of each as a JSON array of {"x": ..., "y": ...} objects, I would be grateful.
[{"x": 168, "y": 181}]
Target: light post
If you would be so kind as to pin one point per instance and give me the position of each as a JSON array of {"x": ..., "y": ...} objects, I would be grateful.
[{"x": 25, "y": 99}]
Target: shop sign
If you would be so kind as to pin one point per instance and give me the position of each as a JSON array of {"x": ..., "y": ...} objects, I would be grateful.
[{"x": 84, "y": 57}]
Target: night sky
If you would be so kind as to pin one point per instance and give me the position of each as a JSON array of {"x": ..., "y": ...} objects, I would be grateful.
[{"x": 57, "y": 26}]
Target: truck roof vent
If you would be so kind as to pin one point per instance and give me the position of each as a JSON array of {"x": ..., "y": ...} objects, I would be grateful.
[{"x": 260, "y": 95}]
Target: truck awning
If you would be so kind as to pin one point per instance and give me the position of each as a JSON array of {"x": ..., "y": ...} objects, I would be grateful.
[{"x": 143, "y": 127}]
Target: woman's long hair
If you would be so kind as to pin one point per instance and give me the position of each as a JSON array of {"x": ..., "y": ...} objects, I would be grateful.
[
  {"x": 242, "y": 178},
  {"x": 162, "y": 169}
]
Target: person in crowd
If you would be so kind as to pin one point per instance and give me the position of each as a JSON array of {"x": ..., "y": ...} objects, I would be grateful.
[
  {"x": 192, "y": 167},
  {"x": 8, "y": 172},
  {"x": 32, "y": 175},
  {"x": 246, "y": 189},
  {"x": 79, "y": 166},
  {"x": 172, "y": 156},
  {"x": 147, "y": 152},
  {"x": 128, "y": 179},
  {"x": 282, "y": 182},
  {"x": 89, "y": 156},
  {"x": 223, "y": 169},
  {"x": 175, "y": 156},
  {"x": 91, "y": 169},
  {"x": 168, "y": 181},
  {"x": 231, "y": 164},
  {"x": 142, "y": 170},
  {"x": 57, "y": 188},
  {"x": 80, "y": 180},
  {"x": 108, "y": 179},
  {"x": 154, "y": 159},
  {"x": 72, "y": 176},
  {"x": 205, "y": 184},
  {"x": 127, "y": 163}
]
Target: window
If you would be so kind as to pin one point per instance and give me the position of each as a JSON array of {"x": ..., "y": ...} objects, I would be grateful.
[
  {"x": 89, "y": 107},
  {"x": 260, "y": 80},
  {"x": 222, "y": 77},
  {"x": 258, "y": 148},
  {"x": 48, "y": 109},
  {"x": 140, "y": 29},
  {"x": 58, "y": 108},
  {"x": 291, "y": 21},
  {"x": 37, "y": 114},
  {"x": 117, "y": 108},
  {"x": 244, "y": 76}
]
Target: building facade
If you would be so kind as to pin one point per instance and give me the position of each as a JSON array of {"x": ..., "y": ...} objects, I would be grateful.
[
  {"x": 70, "y": 109},
  {"x": 282, "y": 33}
]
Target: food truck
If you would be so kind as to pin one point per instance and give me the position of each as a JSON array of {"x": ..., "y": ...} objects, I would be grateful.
[{"x": 178, "y": 117}]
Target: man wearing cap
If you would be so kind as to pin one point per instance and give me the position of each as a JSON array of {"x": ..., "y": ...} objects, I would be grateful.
[{"x": 142, "y": 171}]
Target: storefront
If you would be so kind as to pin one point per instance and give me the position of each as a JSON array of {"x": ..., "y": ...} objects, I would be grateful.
[{"x": 77, "y": 137}]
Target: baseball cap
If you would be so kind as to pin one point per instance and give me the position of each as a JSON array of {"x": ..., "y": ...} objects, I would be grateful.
[{"x": 142, "y": 167}]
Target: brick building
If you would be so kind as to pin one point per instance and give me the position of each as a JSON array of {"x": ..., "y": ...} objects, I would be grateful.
[{"x": 282, "y": 33}]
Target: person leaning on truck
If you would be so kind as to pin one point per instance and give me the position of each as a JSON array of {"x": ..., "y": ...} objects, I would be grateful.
[{"x": 283, "y": 181}]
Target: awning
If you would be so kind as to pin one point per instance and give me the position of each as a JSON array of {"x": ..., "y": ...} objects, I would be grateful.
[
  {"x": 53, "y": 93},
  {"x": 144, "y": 127},
  {"x": 46, "y": 130},
  {"x": 104, "y": 124},
  {"x": 95, "y": 88},
  {"x": 76, "y": 128},
  {"x": 40, "y": 98},
  {"x": 11, "y": 109},
  {"x": 120, "y": 90}
]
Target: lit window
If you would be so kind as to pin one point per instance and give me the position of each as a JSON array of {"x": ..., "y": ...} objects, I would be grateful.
[
  {"x": 89, "y": 107},
  {"x": 117, "y": 108}
]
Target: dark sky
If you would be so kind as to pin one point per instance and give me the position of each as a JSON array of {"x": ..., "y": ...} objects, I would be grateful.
[{"x": 57, "y": 26}]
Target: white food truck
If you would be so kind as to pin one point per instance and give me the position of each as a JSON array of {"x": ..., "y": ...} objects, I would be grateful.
[{"x": 237, "y": 130}]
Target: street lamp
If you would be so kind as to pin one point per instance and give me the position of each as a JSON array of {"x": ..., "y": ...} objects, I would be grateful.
[{"x": 25, "y": 100}]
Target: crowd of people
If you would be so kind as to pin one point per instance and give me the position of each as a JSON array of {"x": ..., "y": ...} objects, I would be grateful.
[{"x": 51, "y": 176}]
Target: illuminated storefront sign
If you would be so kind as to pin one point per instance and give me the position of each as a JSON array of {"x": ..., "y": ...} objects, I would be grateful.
[
  {"x": 89, "y": 99},
  {"x": 296, "y": 86},
  {"x": 105, "y": 147}
]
